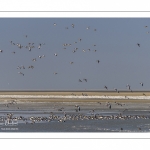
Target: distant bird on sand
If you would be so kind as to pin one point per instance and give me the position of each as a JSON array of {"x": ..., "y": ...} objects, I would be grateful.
[{"x": 144, "y": 94}]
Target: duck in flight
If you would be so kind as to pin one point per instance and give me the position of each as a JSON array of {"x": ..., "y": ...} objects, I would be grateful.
[
  {"x": 80, "y": 80},
  {"x": 21, "y": 73},
  {"x": 106, "y": 87},
  {"x": 72, "y": 25},
  {"x": 85, "y": 80},
  {"x": 141, "y": 83},
  {"x": 138, "y": 44},
  {"x": 98, "y": 61},
  {"x": 129, "y": 87}
]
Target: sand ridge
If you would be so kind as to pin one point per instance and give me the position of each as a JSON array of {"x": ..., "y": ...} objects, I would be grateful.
[{"x": 76, "y": 96}]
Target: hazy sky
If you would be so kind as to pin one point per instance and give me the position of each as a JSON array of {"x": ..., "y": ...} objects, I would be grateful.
[{"x": 122, "y": 62}]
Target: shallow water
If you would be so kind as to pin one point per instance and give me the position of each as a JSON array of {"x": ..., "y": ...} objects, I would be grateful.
[
  {"x": 82, "y": 126},
  {"x": 79, "y": 125},
  {"x": 93, "y": 117}
]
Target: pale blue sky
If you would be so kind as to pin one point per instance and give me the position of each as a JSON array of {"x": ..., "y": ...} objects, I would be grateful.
[{"x": 122, "y": 62}]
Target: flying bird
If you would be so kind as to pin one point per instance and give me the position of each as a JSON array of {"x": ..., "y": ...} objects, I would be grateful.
[
  {"x": 138, "y": 44},
  {"x": 85, "y": 80},
  {"x": 72, "y": 25},
  {"x": 116, "y": 90},
  {"x": 39, "y": 46},
  {"x": 106, "y": 87},
  {"x": 141, "y": 83},
  {"x": 21, "y": 73},
  {"x": 129, "y": 87},
  {"x": 29, "y": 48},
  {"x": 80, "y": 80},
  {"x": 31, "y": 67},
  {"x": 34, "y": 59},
  {"x": 98, "y": 61}
]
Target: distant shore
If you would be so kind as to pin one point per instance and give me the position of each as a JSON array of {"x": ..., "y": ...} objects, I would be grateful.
[{"x": 76, "y": 96}]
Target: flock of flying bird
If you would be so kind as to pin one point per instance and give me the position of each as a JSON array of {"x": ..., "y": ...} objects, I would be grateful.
[
  {"x": 128, "y": 86},
  {"x": 31, "y": 46}
]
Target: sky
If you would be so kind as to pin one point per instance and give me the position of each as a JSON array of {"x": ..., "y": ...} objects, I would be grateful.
[{"x": 113, "y": 43}]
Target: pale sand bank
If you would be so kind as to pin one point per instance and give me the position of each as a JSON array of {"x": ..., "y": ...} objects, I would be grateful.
[
  {"x": 87, "y": 96},
  {"x": 77, "y": 93}
]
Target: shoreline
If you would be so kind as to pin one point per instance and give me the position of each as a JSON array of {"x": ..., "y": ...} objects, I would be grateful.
[{"x": 125, "y": 97}]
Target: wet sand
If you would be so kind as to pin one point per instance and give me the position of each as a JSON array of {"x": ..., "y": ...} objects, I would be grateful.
[
  {"x": 48, "y": 100},
  {"x": 95, "y": 113}
]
